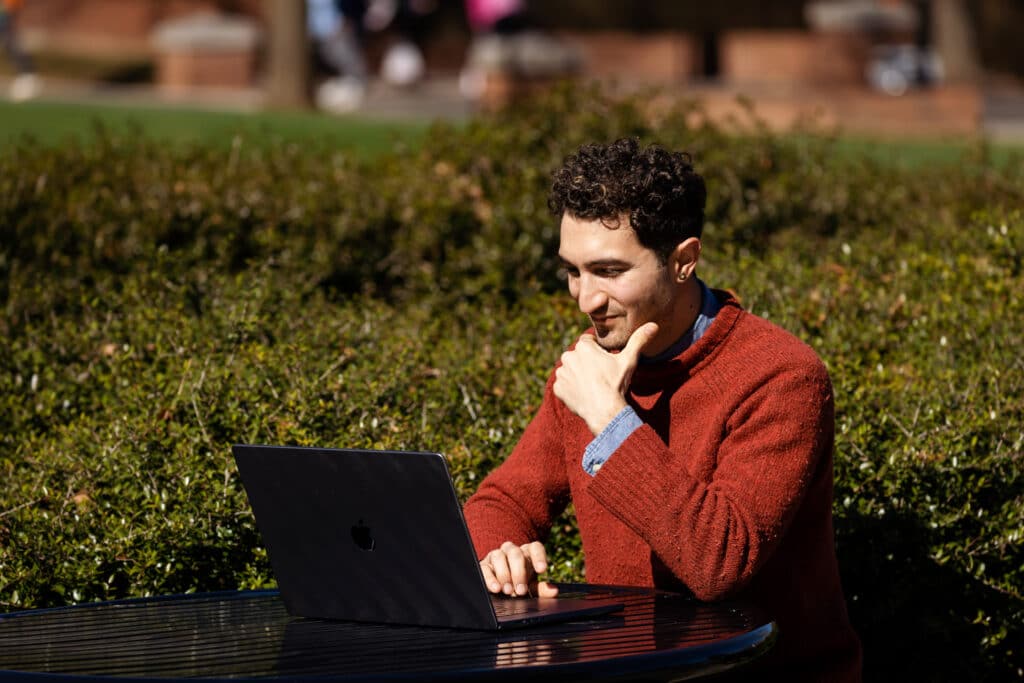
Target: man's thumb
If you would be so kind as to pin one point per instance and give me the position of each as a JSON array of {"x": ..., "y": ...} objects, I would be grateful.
[{"x": 638, "y": 340}]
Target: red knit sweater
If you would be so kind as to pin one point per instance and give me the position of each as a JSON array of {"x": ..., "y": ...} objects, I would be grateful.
[{"x": 726, "y": 490}]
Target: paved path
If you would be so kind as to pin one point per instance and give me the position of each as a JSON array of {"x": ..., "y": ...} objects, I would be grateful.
[
  {"x": 1004, "y": 115},
  {"x": 436, "y": 98}
]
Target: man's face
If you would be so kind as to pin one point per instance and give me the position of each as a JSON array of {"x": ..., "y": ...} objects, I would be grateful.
[{"x": 618, "y": 282}]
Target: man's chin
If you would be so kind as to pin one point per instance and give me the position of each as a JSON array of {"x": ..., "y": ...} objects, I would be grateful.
[{"x": 609, "y": 341}]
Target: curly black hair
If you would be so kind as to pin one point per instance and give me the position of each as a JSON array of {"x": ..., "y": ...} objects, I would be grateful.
[{"x": 657, "y": 189}]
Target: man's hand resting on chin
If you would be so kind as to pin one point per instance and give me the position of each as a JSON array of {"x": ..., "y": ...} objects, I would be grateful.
[{"x": 592, "y": 382}]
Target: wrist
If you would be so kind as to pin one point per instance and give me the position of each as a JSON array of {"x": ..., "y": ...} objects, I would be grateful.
[{"x": 599, "y": 421}]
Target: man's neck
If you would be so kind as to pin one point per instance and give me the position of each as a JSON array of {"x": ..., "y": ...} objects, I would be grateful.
[{"x": 686, "y": 308}]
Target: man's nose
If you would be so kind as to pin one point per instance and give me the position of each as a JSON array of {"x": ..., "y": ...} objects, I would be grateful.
[{"x": 591, "y": 296}]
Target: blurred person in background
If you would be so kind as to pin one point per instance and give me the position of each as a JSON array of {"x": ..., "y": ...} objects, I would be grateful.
[
  {"x": 501, "y": 16},
  {"x": 26, "y": 84},
  {"x": 335, "y": 31},
  {"x": 507, "y": 42},
  {"x": 403, "y": 63},
  {"x": 338, "y": 30}
]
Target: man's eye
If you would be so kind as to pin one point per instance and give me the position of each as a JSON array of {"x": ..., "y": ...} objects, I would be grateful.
[
  {"x": 566, "y": 273},
  {"x": 609, "y": 272}
]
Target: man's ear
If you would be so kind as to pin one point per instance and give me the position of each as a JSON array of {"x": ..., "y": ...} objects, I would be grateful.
[{"x": 684, "y": 258}]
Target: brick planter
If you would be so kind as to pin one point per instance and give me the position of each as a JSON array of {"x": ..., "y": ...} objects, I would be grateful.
[
  {"x": 206, "y": 50},
  {"x": 667, "y": 58},
  {"x": 793, "y": 57}
]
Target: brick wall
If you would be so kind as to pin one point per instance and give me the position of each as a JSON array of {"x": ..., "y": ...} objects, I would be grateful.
[
  {"x": 669, "y": 58},
  {"x": 109, "y": 28},
  {"x": 793, "y": 57}
]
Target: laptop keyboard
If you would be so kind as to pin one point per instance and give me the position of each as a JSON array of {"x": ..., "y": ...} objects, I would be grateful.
[{"x": 513, "y": 607}]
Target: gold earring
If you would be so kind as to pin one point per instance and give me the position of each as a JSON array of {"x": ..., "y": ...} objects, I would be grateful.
[{"x": 682, "y": 277}]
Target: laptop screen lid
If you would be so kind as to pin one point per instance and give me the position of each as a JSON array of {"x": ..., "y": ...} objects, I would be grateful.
[{"x": 375, "y": 536}]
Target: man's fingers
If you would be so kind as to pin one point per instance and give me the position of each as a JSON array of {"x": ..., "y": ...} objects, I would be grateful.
[
  {"x": 520, "y": 568},
  {"x": 638, "y": 340},
  {"x": 538, "y": 556},
  {"x": 502, "y": 573},
  {"x": 512, "y": 569},
  {"x": 546, "y": 589},
  {"x": 490, "y": 580}
]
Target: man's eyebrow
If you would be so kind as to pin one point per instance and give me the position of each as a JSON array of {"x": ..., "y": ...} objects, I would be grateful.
[{"x": 597, "y": 263}]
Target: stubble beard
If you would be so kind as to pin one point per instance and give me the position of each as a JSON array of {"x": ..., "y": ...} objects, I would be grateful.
[{"x": 610, "y": 338}]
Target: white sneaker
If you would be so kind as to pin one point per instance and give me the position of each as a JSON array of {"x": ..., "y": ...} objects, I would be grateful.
[
  {"x": 340, "y": 95},
  {"x": 403, "y": 65},
  {"x": 25, "y": 87}
]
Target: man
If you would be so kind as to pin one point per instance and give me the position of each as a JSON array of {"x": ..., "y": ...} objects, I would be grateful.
[{"x": 694, "y": 438}]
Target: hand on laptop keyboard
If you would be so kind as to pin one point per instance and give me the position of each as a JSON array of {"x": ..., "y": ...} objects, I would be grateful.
[{"x": 512, "y": 570}]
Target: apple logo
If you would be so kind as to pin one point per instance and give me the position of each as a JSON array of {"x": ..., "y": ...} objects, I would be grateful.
[{"x": 362, "y": 536}]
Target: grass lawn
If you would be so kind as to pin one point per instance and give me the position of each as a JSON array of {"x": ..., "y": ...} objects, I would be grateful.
[
  {"x": 911, "y": 153},
  {"x": 53, "y": 123}
]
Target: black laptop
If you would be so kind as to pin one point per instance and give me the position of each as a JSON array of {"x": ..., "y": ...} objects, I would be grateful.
[{"x": 378, "y": 536}]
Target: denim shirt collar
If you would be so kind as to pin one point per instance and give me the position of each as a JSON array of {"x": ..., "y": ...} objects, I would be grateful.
[{"x": 709, "y": 308}]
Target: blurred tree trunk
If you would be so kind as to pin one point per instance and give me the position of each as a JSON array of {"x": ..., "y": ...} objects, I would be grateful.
[
  {"x": 954, "y": 39},
  {"x": 288, "y": 61}
]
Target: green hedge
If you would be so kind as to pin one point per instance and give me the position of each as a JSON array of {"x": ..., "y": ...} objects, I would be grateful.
[{"x": 160, "y": 304}]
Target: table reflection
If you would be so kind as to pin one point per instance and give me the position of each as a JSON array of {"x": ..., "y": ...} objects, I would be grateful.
[{"x": 250, "y": 635}]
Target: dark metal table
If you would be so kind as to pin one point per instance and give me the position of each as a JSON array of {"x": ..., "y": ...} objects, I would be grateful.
[{"x": 248, "y": 635}]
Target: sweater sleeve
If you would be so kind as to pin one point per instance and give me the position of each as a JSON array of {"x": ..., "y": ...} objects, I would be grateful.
[
  {"x": 519, "y": 499},
  {"x": 715, "y": 533}
]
